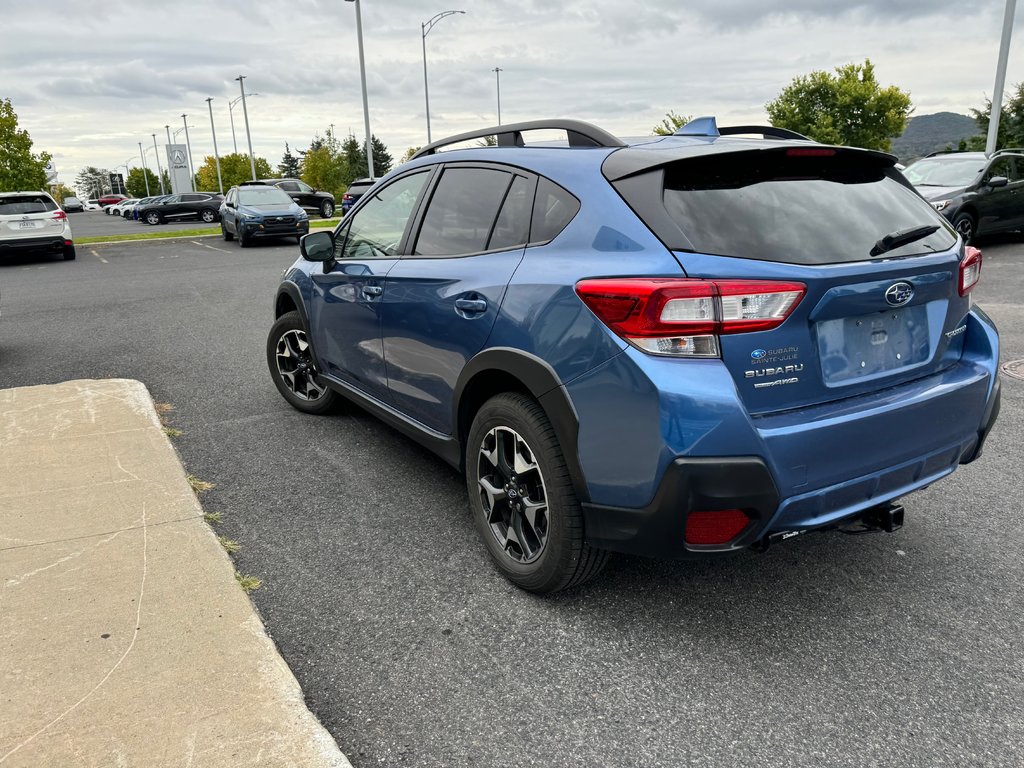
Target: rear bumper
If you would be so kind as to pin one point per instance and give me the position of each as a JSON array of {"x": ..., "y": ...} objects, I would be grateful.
[
  {"x": 48, "y": 244},
  {"x": 682, "y": 444}
]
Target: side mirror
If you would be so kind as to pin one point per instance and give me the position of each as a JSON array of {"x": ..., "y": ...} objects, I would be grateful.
[
  {"x": 998, "y": 181},
  {"x": 229, "y": 204},
  {"x": 317, "y": 246}
]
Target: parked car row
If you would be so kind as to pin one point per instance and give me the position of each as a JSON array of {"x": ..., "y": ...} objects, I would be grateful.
[{"x": 160, "y": 209}]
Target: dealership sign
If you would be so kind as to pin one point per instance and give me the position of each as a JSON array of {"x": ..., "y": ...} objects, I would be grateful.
[{"x": 177, "y": 164}]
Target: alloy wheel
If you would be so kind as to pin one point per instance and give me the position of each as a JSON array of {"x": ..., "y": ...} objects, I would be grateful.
[
  {"x": 296, "y": 366},
  {"x": 966, "y": 228},
  {"x": 513, "y": 495},
  {"x": 209, "y": 216}
]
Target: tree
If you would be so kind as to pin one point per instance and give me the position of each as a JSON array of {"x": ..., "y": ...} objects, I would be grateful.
[
  {"x": 92, "y": 182},
  {"x": 848, "y": 108},
  {"x": 382, "y": 161},
  {"x": 355, "y": 159},
  {"x": 60, "y": 191},
  {"x": 1011, "y": 122},
  {"x": 670, "y": 124},
  {"x": 19, "y": 167},
  {"x": 289, "y": 167},
  {"x": 234, "y": 169},
  {"x": 136, "y": 182},
  {"x": 407, "y": 155}
]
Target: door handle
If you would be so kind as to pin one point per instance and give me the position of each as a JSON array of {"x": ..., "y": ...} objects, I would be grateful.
[
  {"x": 372, "y": 290},
  {"x": 471, "y": 305}
]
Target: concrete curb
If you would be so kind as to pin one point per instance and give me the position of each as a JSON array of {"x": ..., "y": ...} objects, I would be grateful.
[{"x": 124, "y": 637}]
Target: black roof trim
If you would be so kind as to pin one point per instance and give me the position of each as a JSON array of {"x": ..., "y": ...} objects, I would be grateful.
[
  {"x": 768, "y": 131},
  {"x": 580, "y": 134}
]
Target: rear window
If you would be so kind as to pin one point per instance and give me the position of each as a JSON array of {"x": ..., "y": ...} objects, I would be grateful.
[
  {"x": 797, "y": 209},
  {"x": 10, "y": 206}
]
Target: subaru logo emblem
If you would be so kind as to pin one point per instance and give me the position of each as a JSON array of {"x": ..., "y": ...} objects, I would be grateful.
[
  {"x": 757, "y": 354},
  {"x": 898, "y": 294}
]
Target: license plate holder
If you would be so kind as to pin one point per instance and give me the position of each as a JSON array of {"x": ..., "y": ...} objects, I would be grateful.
[
  {"x": 26, "y": 225},
  {"x": 853, "y": 348}
]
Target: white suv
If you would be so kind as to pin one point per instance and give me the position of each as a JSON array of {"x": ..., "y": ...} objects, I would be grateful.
[{"x": 33, "y": 222}]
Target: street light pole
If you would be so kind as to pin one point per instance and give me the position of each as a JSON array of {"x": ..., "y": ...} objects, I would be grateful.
[
  {"x": 159, "y": 170},
  {"x": 362, "y": 77},
  {"x": 425, "y": 28},
  {"x": 997, "y": 92},
  {"x": 188, "y": 147},
  {"x": 497, "y": 78},
  {"x": 216, "y": 157},
  {"x": 248, "y": 136},
  {"x": 145, "y": 170},
  {"x": 231, "y": 116}
]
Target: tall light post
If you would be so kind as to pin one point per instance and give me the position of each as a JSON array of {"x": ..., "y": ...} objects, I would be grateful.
[
  {"x": 497, "y": 79},
  {"x": 231, "y": 116},
  {"x": 145, "y": 170},
  {"x": 127, "y": 172},
  {"x": 997, "y": 92},
  {"x": 248, "y": 136},
  {"x": 425, "y": 28},
  {"x": 159, "y": 170},
  {"x": 362, "y": 77},
  {"x": 216, "y": 156},
  {"x": 188, "y": 148}
]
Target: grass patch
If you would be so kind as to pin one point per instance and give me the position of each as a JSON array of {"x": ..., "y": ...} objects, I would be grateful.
[
  {"x": 172, "y": 432},
  {"x": 198, "y": 232},
  {"x": 230, "y": 545},
  {"x": 199, "y": 486},
  {"x": 247, "y": 583},
  {"x": 213, "y": 517}
]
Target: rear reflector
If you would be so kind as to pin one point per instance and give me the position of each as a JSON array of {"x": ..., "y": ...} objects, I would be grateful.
[
  {"x": 666, "y": 316},
  {"x": 970, "y": 269},
  {"x": 721, "y": 527}
]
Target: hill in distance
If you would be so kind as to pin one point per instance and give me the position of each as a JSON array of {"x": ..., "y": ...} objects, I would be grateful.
[{"x": 931, "y": 133}]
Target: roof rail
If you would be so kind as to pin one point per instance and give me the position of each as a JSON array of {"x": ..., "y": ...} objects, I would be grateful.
[
  {"x": 938, "y": 152},
  {"x": 1006, "y": 150},
  {"x": 708, "y": 126},
  {"x": 580, "y": 134}
]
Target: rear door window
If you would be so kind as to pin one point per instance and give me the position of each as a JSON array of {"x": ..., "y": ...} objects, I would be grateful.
[
  {"x": 462, "y": 212},
  {"x": 798, "y": 209},
  {"x": 512, "y": 228}
]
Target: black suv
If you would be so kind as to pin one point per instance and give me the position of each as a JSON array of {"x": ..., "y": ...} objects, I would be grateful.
[
  {"x": 310, "y": 199},
  {"x": 979, "y": 194},
  {"x": 187, "y": 205}
]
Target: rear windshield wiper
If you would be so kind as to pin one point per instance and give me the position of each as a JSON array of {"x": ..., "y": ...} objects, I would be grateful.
[{"x": 902, "y": 237}]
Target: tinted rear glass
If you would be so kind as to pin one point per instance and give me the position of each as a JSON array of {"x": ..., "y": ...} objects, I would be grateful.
[
  {"x": 10, "y": 206},
  {"x": 801, "y": 210},
  {"x": 462, "y": 212}
]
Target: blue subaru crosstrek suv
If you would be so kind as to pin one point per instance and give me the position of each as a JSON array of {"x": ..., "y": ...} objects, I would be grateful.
[{"x": 671, "y": 346}]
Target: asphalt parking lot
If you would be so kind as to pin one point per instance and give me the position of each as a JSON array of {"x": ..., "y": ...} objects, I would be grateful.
[{"x": 887, "y": 650}]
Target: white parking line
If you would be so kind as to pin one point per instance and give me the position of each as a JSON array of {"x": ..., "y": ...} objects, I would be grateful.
[
  {"x": 211, "y": 247},
  {"x": 93, "y": 252}
]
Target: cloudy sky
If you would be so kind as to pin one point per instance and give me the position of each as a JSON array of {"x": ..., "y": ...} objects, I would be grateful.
[{"x": 90, "y": 80}]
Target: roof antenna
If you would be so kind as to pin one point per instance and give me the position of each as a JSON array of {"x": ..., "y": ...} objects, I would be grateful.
[{"x": 699, "y": 126}]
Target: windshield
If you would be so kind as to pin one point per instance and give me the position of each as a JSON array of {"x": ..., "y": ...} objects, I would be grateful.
[
  {"x": 263, "y": 196},
  {"x": 944, "y": 171},
  {"x": 797, "y": 209}
]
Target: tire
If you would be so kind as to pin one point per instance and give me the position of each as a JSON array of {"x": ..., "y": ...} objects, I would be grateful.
[
  {"x": 965, "y": 224},
  {"x": 153, "y": 218},
  {"x": 298, "y": 239},
  {"x": 208, "y": 215},
  {"x": 69, "y": 253},
  {"x": 551, "y": 553},
  {"x": 244, "y": 241},
  {"x": 228, "y": 237},
  {"x": 293, "y": 369},
  {"x": 326, "y": 209}
]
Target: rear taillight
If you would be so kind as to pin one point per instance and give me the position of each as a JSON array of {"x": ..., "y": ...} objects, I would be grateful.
[
  {"x": 686, "y": 316},
  {"x": 60, "y": 215},
  {"x": 346, "y": 197},
  {"x": 970, "y": 269},
  {"x": 719, "y": 527}
]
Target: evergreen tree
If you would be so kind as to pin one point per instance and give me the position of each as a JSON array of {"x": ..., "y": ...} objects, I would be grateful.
[{"x": 289, "y": 167}]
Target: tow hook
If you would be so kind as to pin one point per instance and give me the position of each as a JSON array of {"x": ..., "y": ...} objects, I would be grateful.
[{"x": 885, "y": 517}]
